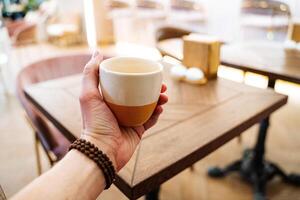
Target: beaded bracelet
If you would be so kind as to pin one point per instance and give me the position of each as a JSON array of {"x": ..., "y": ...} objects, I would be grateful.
[{"x": 101, "y": 159}]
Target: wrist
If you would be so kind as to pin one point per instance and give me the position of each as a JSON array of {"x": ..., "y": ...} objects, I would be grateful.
[{"x": 104, "y": 145}]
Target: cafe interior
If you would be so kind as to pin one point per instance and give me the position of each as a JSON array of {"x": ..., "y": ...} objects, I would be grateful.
[{"x": 231, "y": 128}]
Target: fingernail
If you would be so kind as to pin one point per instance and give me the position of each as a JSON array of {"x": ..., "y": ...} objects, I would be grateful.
[{"x": 161, "y": 110}]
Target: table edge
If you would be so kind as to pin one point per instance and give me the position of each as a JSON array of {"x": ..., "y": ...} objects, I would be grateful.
[
  {"x": 270, "y": 75},
  {"x": 60, "y": 127},
  {"x": 157, "y": 179}
]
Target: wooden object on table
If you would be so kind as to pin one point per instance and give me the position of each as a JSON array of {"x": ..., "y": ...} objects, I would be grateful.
[
  {"x": 294, "y": 31},
  {"x": 198, "y": 119},
  {"x": 202, "y": 51},
  {"x": 265, "y": 58}
]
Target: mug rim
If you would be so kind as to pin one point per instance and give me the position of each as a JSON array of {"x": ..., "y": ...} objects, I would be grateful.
[{"x": 101, "y": 66}]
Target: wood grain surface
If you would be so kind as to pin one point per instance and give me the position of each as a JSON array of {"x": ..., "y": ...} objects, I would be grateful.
[
  {"x": 265, "y": 58},
  {"x": 197, "y": 120}
]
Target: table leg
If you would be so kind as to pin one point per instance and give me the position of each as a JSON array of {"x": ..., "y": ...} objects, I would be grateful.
[
  {"x": 153, "y": 195},
  {"x": 253, "y": 167}
]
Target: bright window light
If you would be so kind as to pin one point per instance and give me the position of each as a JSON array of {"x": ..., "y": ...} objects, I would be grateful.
[
  {"x": 231, "y": 74},
  {"x": 90, "y": 23}
]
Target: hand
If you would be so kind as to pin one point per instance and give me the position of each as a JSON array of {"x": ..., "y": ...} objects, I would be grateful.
[{"x": 100, "y": 125}]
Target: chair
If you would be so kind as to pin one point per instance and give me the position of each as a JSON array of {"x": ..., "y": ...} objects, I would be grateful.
[
  {"x": 149, "y": 4},
  {"x": 149, "y": 9},
  {"x": 169, "y": 32},
  {"x": 21, "y": 32},
  {"x": 118, "y": 4},
  {"x": 51, "y": 139},
  {"x": 187, "y": 11},
  {"x": 274, "y": 16},
  {"x": 188, "y": 5},
  {"x": 265, "y": 7}
]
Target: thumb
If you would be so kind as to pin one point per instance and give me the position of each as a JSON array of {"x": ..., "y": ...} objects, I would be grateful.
[{"x": 90, "y": 79}]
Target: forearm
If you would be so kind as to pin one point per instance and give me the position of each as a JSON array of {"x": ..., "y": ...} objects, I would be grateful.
[{"x": 74, "y": 177}]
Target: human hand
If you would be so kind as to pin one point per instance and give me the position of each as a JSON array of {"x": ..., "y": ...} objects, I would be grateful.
[{"x": 100, "y": 125}]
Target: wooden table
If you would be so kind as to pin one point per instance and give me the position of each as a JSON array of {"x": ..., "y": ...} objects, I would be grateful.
[
  {"x": 265, "y": 58},
  {"x": 197, "y": 121}
]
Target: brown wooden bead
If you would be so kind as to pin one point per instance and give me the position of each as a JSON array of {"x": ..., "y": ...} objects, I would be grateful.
[{"x": 101, "y": 159}]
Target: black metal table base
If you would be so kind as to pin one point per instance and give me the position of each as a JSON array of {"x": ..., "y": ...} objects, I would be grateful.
[
  {"x": 253, "y": 167},
  {"x": 153, "y": 195},
  {"x": 257, "y": 176}
]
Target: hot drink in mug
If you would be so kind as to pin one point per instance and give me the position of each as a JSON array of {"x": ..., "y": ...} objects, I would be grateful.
[{"x": 131, "y": 88}]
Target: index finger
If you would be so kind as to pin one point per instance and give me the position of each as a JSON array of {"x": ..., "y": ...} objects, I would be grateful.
[{"x": 163, "y": 88}]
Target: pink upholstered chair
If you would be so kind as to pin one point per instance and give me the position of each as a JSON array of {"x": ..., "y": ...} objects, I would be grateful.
[
  {"x": 21, "y": 32},
  {"x": 51, "y": 139}
]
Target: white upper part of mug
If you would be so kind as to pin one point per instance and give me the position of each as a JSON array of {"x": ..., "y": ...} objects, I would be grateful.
[{"x": 130, "y": 81}]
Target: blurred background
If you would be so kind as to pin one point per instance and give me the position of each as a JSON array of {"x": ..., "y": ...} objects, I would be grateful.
[
  {"x": 92, "y": 23},
  {"x": 32, "y": 30}
]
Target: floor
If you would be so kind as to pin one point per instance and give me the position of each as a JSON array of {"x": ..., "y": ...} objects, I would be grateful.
[{"x": 18, "y": 165}]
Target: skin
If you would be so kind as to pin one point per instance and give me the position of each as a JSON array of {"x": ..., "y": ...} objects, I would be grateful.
[{"x": 76, "y": 176}]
